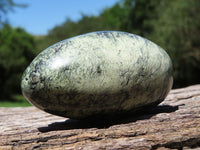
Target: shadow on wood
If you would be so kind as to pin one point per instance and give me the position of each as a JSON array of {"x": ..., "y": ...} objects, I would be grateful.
[{"x": 103, "y": 122}]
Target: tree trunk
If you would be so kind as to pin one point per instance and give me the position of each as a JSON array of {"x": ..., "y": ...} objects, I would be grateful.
[{"x": 174, "y": 124}]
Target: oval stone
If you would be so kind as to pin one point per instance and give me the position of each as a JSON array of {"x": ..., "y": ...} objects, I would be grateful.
[{"x": 102, "y": 73}]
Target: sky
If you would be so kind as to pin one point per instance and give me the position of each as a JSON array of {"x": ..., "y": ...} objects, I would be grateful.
[{"x": 42, "y": 15}]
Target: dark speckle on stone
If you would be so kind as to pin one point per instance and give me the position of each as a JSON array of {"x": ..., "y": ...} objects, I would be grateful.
[{"x": 99, "y": 69}]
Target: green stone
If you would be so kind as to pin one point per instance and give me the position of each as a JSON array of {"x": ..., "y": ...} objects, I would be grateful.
[{"x": 102, "y": 73}]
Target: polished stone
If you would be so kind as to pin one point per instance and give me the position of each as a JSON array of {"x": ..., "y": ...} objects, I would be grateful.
[{"x": 99, "y": 73}]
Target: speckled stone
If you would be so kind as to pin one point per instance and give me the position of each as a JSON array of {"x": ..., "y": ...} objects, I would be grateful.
[{"x": 100, "y": 73}]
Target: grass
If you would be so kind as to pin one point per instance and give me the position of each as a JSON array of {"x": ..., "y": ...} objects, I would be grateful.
[{"x": 19, "y": 101}]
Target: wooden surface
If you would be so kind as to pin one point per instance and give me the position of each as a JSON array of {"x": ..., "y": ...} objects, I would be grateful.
[{"x": 174, "y": 124}]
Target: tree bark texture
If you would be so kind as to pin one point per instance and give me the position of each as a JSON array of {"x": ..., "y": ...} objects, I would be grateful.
[{"x": 174, "y": 124}]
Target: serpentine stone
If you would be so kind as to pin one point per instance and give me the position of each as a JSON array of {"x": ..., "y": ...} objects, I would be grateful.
[{"x": 103, "y": 73}]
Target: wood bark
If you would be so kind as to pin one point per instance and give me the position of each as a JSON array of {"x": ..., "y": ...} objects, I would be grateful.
[{"x": 174, "y": 124}]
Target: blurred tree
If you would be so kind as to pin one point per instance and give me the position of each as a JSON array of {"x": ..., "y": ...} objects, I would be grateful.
[
  {"x": 177, "y": 29},
  {"x": 140, "y": 12},
  {"x": 5, "y": 7},
  {"x": 112, "y": 18},
  {"x": 16, "y": 51}
]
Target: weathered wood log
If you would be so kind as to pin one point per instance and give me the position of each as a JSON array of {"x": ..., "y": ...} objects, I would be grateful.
[{"x": 174, "y": 124}]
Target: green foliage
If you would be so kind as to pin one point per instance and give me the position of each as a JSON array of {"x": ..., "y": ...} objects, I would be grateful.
[
  {"x": 140, "y": 13},
  {"x": 20, "y": 101},
  {"x": 177, "y": 29},
  {"x": 112, "y": 18},
  {"x": 16, "y": 51}
]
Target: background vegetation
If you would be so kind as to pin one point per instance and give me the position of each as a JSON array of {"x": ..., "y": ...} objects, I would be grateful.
[{"x": 172, "y": 24}]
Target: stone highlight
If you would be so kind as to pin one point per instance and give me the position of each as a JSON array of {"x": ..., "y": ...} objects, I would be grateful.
[{"x": 103, "y": 73}]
